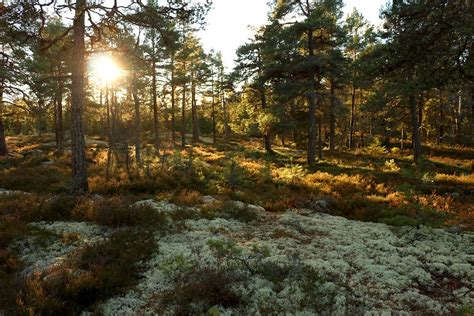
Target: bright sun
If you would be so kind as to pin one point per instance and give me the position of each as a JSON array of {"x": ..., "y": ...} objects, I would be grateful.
[{"x": 105, "y": 69}]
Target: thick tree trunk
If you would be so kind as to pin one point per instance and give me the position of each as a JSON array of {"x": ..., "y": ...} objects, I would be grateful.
[
  {"x": 79, "y": 167},
  {"x": 353, "y": 110},
  {"x": 415, "y": 130},
  {"x": 138, "y": 126},
  {"x": 332, "y": 119},
  {"x": 267, "y": 141},
  {"x": 195, "y": 117}
]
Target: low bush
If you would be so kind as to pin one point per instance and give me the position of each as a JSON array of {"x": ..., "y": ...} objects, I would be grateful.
[
  {"x": 199, "y": 291},
  {"x": 96, "y": 273}
]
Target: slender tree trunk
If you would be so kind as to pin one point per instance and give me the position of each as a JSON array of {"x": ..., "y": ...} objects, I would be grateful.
[
  {"x": 312, "y": 121},
  {"x": 183, "y": 114},
  {"x": 353, "y": 111},
  {"x": 415, "y": 129},
  {"x": 459, "y": 118},
  {"x": 402, "y": 139},
  {"x": 266, "y": 137},
  {"x": 109, "y": 133},
  {"x": 195, "y": 117},
  {"x": 320, "y": 137},
  {"x": 332, "y": 119},
  {"x": 156, "y": 130},
  {"x": 441, "y": 120},
  {"x": 79, "y": 167},
  {"x": 213, "y": 112},
  {"x": 173, "y": 100},
  {"x": 59, "y": 119},
  {"x": 420, "y": 115},
  {"x": 138, "y": 128},
  {"x": 226, "y": 121},
  {"x": 3, "y": 143}
]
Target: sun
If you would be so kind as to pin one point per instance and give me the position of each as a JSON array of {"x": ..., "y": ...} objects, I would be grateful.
[{"x": 105, "y": 69}]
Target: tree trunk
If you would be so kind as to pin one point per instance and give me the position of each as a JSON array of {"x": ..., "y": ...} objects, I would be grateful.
[
  {"x": 183, "y": 115},
  {"x": 138, "y": 129},
  {"x": 173, "y": 101},
  {"x": 266, "y": 137},
  {"x": 156, "y": 133},
  {"x": 320, "y": 137},
  {"x": 79, "y": 167},
  {"x": 226, "y": 121},
  {"x": 59, "y": 119},
  {"x": 459, "y": 118},
  {"x": 332, "y": 119},
  {"x": 213, "y": 112},
  {"x": 353, "y": 110},
  {"x": 312, "y": 122},
  {"x": 415, "y": 130},
  {"x": 3, "y": 143},
  {"x": 195, "y": 117},
  {"x": 441, "y": 120}
]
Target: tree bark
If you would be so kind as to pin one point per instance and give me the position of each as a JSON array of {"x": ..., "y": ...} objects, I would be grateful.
[
  {"x": 138, "y": 128},
  {"x": 441, "y": 120},
  {"x": 332, "y": 119},
  {"x": 353, "y": 110},
  {"x": 415, "y": 129},
  {"x": 320, "y": 137},
  {"x": 3, "y": 143},
  {"x": 213, "y": 112},
  {"x": 312, "y": 122},
  {"x": 59, "y": 119},
  {"x": 79, "y": 167},
  {"x": 173, "y": 100},
  {"x": 156, "y": 132},
  {"x": 266, "y": 137},
  {"x": 195, "y": 117},
  {"x": 183, "y": 114}
]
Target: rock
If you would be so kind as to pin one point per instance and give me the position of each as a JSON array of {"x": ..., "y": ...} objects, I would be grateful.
[
  {"x": 161, "y": 206},
  {"x": 47, "y": 163},
  {"x": 98, "y": 143},
  {"x": 208, "y": 199},
  {"x": 32, "y": 152},
  {"x": 456, "y": 229},
  {"x": 251, "y": 207},
  {"x": 97, "y": 197},
  {"x": 320, "y": 205},
  {"x": 4, "y": 192}
]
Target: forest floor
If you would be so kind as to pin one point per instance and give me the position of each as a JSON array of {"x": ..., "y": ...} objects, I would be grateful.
[{"x": 237, "y": 231}]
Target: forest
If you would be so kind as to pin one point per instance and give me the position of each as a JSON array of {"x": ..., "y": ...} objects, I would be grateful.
[{"x": 329, "y": 172}]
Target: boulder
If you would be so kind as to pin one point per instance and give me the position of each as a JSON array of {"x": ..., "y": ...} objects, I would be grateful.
[
  {"x": 208, "y": 199},
  {"x": 160, "y": 206},
  {"x": 320, "y": 205},
  {"x": 251, "y": 207}
]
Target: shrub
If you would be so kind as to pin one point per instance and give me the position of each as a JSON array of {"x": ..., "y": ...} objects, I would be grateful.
[
  {"x": 186, "y": 197},
  {"x": 117, "y": 212},
  {"x": 96, "y": 273},
  {"x": 197, "y": 292}
]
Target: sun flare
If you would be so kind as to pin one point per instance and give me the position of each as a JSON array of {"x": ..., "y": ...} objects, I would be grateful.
[{"x": 105, "y": 69}]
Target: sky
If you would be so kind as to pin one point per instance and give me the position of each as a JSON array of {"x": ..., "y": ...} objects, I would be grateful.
[{"x": 229, "y": 21}]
